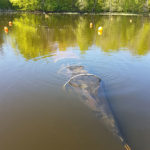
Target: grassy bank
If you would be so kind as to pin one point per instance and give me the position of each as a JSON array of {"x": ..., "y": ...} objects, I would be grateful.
[{"x": 11, "y": 11}]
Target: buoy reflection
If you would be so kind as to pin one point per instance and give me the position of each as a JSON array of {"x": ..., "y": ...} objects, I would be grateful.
[
  {"x": 100, "y": 32},
  {"x": 6, "y": 29}
]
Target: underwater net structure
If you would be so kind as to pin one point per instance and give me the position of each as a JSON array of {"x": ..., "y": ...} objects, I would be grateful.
[{"x": 88, "y": 85}]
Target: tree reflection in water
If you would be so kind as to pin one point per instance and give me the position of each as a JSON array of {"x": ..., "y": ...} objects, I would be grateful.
[{"x": 37, "y": 36}]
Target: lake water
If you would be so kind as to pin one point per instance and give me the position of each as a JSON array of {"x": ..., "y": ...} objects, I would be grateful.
[{"x": 37, "y": 114}]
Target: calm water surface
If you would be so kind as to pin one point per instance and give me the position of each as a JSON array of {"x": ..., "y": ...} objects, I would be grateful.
[{"x": 35, "y": 112}]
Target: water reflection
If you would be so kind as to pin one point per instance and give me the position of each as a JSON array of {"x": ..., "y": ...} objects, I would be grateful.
[
  {"x": 37, "y": 36},
  {"x": 34, "y": 107}
]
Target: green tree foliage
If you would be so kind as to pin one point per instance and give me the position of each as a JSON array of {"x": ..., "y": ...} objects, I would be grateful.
[
  {"x": 26, "y": 4},
  {"x": 59, "y": 5},
  {"x": 84, "y": 5},
  {"x": 5, "y": 4}
]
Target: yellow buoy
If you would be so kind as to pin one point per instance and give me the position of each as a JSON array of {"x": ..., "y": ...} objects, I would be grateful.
[
  {"x": 6, "y": 29},
  {"x": 10, "y": 23},
  {"x": 100, "y": 29},
  {"x": 91, "y": 25},
  {"x": 130, "y": 20}
]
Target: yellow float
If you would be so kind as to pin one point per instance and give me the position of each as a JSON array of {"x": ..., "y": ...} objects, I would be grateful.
[
  {"x": 91, "y": 25},
  {"x": 10, "y": 23},
  {"x": 130, "y": 20},
  {"x": 100, "y": 29}
]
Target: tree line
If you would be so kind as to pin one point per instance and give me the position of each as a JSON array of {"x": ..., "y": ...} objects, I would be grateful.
[{"x": 79, "y": 5}]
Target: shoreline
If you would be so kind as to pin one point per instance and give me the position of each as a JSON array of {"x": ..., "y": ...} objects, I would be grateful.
[{"x": 77, "y": 13}]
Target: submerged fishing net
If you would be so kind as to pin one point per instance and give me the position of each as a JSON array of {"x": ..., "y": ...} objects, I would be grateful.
[
  {"x": 76, "y": 70},
  {"x": 82, "y": 80},
  {"x": 88, "y": 85},
  {"x": 85, "y": 82}
]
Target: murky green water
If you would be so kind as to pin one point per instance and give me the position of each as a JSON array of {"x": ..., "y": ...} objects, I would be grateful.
[{"x": 36, "y": 113}]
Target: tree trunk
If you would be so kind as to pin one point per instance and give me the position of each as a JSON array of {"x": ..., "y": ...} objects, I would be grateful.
[
  {"x": 95, "y": 2},
  {"x": 110, "y": 9},
  {"x": 43, "y": 1}
]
